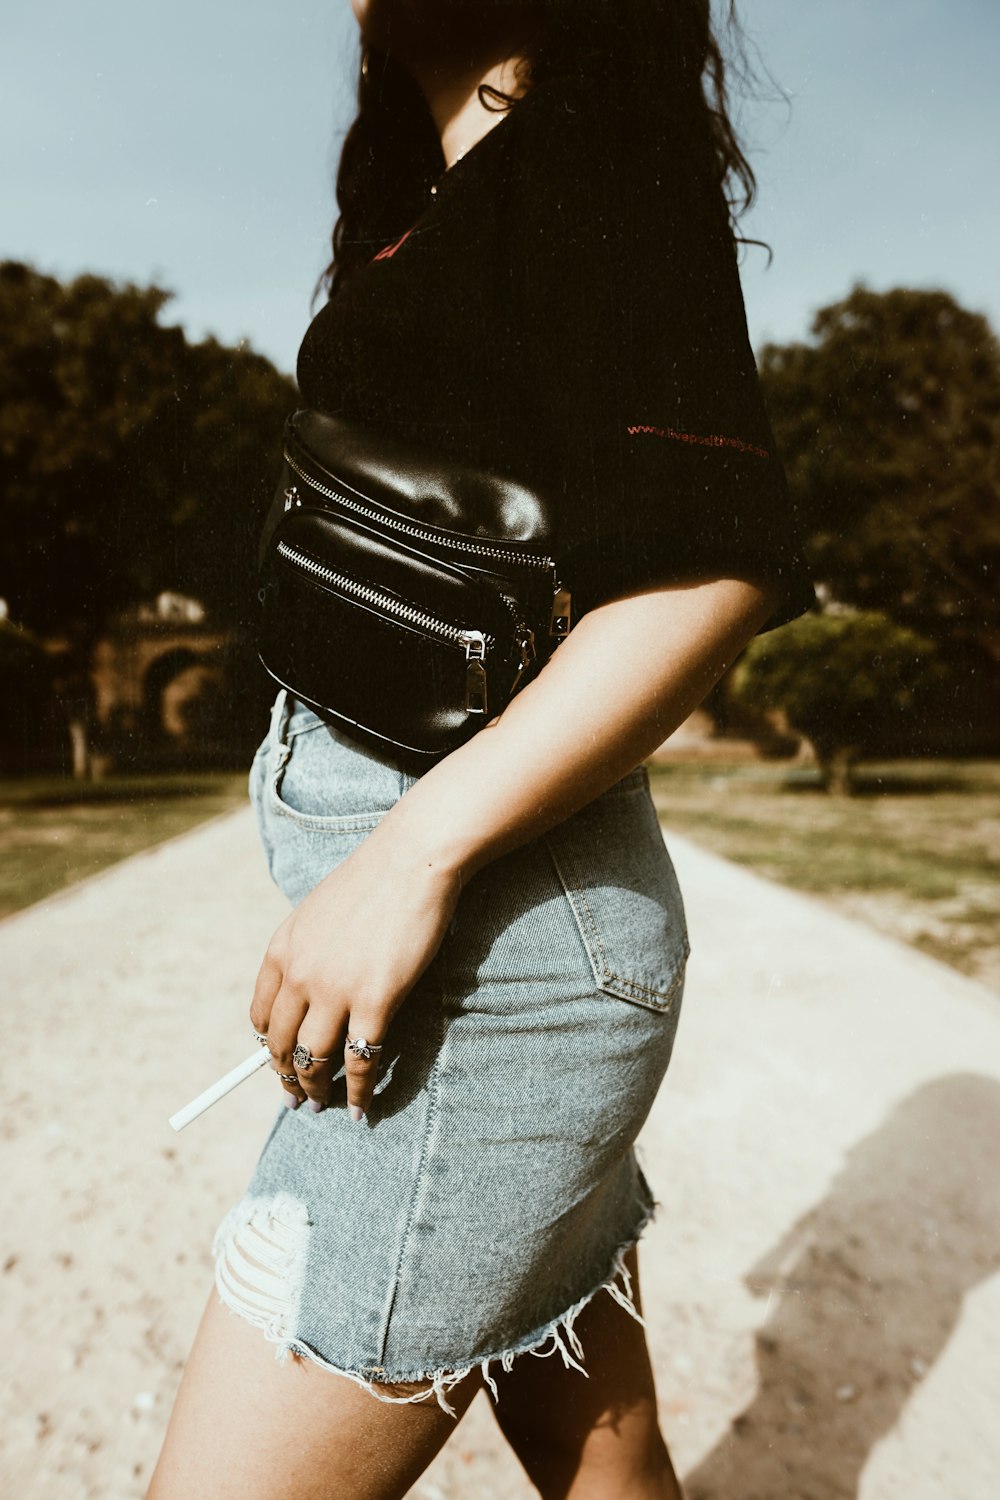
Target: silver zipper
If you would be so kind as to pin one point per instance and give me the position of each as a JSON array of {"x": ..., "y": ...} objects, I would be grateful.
[
  {"x": 483, "y": 549},
  {"x": 475, "y": 677},
  {"x": 560, "y": 613},
  {"x": 475, "y": 642},
  {"x": 560, "y": 616}
]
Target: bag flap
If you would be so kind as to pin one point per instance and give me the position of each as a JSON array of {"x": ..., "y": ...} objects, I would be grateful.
[{"x": 411, "y": 482}]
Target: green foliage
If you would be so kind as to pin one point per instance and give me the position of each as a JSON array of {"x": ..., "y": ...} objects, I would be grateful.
[
  {"x": 130, "y": 460},
  {"x": 841, "y": 679},
  {"x": 54, "y": 832},
  {"x": 889, "y": 425},
  {"x": 914, "y": 853}
]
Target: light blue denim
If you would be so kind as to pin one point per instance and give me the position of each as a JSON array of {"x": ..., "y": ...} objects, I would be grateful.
[{"x": 493, "y": 1187}]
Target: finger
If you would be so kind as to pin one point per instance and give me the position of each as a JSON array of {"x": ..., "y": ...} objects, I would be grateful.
[
  {"x": 266, "y": 990},
  {"x": 362, "y": 1072},
  {"x": 266, "y": 987},
  {"x": 315, "y": 1076},
  {"x": 287, "y": 1015}
]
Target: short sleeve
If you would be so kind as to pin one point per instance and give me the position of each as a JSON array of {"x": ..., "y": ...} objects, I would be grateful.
[{"x": 644, "y": 406}]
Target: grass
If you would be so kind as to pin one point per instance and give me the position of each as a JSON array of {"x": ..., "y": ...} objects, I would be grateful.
[
  {"x": 914, "y": 852},
  {"x": 54, "y": 831}
]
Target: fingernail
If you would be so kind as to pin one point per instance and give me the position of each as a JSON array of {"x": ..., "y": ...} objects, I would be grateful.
[
  {"x": 316, "y": 1105},
  {"x": 292, "y": 1100},
  {"x": 357, "y": 1113}
]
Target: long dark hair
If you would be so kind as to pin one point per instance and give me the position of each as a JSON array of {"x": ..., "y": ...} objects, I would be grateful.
[{"x": 664, "y": 54}]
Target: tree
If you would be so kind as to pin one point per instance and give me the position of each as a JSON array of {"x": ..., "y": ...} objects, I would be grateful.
[
  {"x": 889, "y": 426},
  {"x": 30, "y": 722},
  {"x": 131, "y": 461},
  {"x": 841, "y": 679}
]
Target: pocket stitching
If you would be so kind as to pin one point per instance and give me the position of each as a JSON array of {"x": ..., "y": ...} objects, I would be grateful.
[
  {"x": 292, "y": 730},
  {"x": 663, "y": 997},
  {"x": 316, "y": 822},
  {"x": 658, "y": 1000},
  {"x": 343, "y": 823}
]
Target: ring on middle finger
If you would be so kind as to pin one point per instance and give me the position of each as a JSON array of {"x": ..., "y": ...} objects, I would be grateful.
[
  {"x": 288, "y": 1077},
  {"x": 303, "y": 1058}
]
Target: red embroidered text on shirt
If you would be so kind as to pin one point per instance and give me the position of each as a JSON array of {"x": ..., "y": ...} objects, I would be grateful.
[
  {"x": 390, "y": 250},
  {"x": 714, "y": 440}
]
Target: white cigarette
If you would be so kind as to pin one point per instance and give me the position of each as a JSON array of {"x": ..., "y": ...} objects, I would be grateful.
[{"x": 218, "y": 1090}]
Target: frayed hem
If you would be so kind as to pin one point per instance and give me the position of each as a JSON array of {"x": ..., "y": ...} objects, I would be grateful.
[{"x": 559, "y": 1334}]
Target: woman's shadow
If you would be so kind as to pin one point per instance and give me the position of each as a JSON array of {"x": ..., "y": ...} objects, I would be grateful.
[{"x": 864, "y": 1292}]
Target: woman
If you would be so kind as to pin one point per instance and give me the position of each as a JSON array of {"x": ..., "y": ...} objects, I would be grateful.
[{"x": 534, "y": 269}]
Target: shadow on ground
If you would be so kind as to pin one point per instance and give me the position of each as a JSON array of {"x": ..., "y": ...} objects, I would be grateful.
[{"x": 864, "y": 1292}]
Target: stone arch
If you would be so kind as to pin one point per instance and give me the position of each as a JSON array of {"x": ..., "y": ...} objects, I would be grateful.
[{"x": 174, "y": 686}]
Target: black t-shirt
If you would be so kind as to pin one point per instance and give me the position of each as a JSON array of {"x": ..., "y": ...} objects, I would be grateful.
[{"x": 568, "y": 310}]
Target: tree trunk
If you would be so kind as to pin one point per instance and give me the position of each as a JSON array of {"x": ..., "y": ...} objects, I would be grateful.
[
  {"x": 79, "y": 747},
  {"x": 836, "y": 766}
]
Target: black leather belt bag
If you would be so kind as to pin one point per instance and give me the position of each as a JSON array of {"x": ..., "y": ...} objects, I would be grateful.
[{"x": 403, "y": 598}]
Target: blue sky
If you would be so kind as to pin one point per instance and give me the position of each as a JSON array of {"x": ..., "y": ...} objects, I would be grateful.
[{"x": 194, "y": 144}]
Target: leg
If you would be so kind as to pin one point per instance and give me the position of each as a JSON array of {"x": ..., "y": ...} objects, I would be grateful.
[
  {"x": 596, "y": 1438},
  {"x": 246, "y": 1426}
]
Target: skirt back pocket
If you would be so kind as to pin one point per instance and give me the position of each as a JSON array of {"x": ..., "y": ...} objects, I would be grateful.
[{"x": 620, "y": 882}]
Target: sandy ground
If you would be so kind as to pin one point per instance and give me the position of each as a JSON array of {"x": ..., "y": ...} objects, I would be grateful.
[{"x": 822, "y": 1280}]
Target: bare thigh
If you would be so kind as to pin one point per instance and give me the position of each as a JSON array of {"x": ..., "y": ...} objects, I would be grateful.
[
  {"x": 245, "y": 1425},
  {"x": 595, "y": 1438}
]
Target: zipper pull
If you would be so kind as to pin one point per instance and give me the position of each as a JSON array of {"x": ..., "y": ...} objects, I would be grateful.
[
  {"x": 561, "y": 617},
  {"x": 292, "y": 497},
  {"x": 475, "y": 672}
]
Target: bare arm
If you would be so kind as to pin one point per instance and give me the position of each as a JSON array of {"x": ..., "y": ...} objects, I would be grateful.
[
  {"x": 628, "y": 674},
  {"x": 623, "y": 680}
]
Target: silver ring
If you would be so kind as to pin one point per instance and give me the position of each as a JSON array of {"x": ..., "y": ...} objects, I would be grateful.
[
  {"x": 303, "y": 1058},
  {"x": 259, "y": 1035},
  {"x": 288, "y": 1077},
  {"x": 362, "y": 1048}
]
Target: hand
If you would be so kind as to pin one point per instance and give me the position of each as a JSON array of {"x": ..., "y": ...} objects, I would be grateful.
[{"x": 344, "y": 960}]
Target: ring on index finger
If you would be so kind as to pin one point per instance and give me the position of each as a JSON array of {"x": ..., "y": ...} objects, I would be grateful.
[{"x": 362, "y": 1048}]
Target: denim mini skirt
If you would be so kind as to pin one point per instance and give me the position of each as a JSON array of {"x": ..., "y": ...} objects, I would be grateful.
[{"x": 493, "y": 1188}]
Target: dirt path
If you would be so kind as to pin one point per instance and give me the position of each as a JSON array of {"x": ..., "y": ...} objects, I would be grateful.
[{"x": 821, "y": 1281}]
